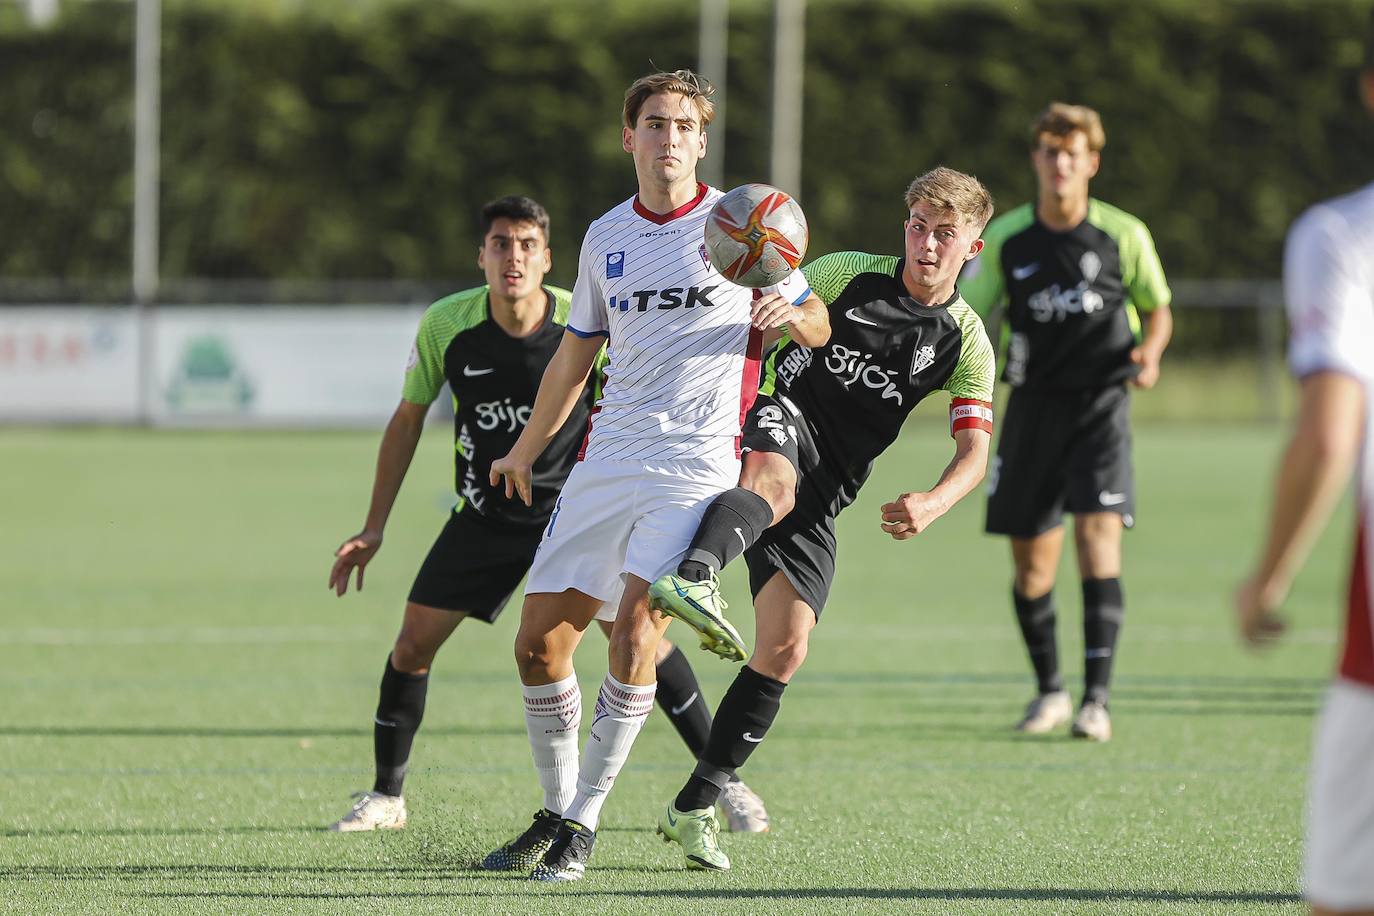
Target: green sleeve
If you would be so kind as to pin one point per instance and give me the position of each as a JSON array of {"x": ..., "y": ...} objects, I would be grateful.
[
  {"x": 1142, "y": 273},
  {"x": 831, "y": 273},
  {"x": 442, "y": 321},
  {"x": 974, "y": 373},
  {"x": 425, "y": 369},
  {"x": 981, "y": 284}
]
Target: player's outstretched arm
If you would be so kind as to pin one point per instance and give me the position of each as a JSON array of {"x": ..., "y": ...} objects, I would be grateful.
[
  {"x": 393, "y": 460},
  {"x": 1159, "y": 329},
  {"x": 558, "y": 393},
  {"x": 1316, "y": 464},
  {"x": 808, "y": 322},
  {"x": 911, "y": 513}
]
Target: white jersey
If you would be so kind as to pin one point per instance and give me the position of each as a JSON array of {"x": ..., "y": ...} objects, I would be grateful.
[
  {"x": 683, "y": 358},
  {"x": 1329, "y": 287}
]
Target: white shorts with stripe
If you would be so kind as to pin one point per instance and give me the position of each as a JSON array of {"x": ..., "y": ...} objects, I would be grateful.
[
  {"x": 624, "y": 517},
  {"x": 1338, "y": 872}
]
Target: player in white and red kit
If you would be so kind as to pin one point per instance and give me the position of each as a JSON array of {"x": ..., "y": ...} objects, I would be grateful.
[
  {"x": 1329, "y": 287},
  {"x": 684, "y": 350}
]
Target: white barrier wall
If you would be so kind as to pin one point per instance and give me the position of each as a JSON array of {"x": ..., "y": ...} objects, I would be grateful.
[
  {"x": 68, "y": 364},
  {"x": 207, "y": 366}
]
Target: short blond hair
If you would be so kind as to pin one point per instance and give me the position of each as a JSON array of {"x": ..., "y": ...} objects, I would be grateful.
[
  {"x": 952, "y": 191},
  {"x": 1061, "y": 119},
  {"x": 696, "y": 88}
]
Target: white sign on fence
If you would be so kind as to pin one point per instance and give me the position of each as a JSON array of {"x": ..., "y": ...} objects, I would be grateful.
[
  {"x": 280, "y": 366},
  {"x": 218, "y": 366},
  {"x": 68, "y": 364}
]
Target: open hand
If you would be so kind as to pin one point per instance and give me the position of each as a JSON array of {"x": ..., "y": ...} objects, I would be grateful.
[
  {"x": 517, "y": 476},
  {"x": 354, "y": 553}
]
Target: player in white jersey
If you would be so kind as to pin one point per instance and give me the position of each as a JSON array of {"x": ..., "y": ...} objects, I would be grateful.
[
  {"x": 1329, "y": 288},
  {"x": 684, "y": 350}
]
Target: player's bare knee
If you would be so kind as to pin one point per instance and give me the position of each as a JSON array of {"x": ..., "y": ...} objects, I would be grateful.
[
  {"x": 781, "y": 496},
  {"x": 534, "y": 655},
  {"x": 782, "y": 661},
  {"x": 631, "y": 647},
  {"x": 411, "y": 655},
  {"x": 1033, "y": 581}
]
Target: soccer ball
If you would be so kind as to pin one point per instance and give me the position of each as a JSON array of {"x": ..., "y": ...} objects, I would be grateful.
[{"x": 756, "y": 235}]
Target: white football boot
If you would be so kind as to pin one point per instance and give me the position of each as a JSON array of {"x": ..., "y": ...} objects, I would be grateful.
[
  {"x": 1046, "y": 712},
  {"x": 743, "y": 809},
  {"x": 1092, "y": 722},
  {"x": 373, "y": 811}
]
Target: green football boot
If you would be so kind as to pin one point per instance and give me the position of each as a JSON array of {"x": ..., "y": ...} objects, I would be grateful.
[
  {"x": 700, "y": 606},
  {"x": 695, "y": 831}
]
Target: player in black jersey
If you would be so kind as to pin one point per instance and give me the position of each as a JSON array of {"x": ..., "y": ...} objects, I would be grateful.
[
  {"x": 1074, "y": 274},
  {"x": 491, "y": 345},
  {"x": 899, "y": 332}
]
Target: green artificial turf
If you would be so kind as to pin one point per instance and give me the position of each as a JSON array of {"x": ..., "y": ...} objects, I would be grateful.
[{"x": 185, "y": 705}]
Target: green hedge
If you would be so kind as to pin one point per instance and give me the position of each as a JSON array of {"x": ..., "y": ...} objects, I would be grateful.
[{"x": 296, "y": 144}]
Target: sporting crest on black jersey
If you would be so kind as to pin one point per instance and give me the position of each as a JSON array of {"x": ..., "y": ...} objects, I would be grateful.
[{"x": 924, "y": 359}]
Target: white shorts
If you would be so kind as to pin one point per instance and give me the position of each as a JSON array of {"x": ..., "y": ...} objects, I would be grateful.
[
  {"x": 1338, "y": 871},
  {"x": 619, "y": 517}
]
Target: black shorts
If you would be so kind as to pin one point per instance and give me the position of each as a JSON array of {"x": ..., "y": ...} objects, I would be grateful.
[
  {"x": 1061, "y": 452},
  {"x": 474, "y": 566},
  {"x": 801, "y": 546}
]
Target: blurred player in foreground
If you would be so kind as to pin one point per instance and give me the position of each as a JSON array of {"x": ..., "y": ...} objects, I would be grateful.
[
  {"x": 1074, "y": 273},
  {"x": 900, "y": 332},
  {"x": 1329, "y": 287},
  {"x": 683, "y": 352},
  {"x": 491, "y": 344}
]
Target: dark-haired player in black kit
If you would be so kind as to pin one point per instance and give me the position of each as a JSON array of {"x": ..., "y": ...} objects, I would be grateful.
[
  {"x": 1074, "y": 274},
  {"x": 899, "y": 332},
  {"x": 491, "y": 344}
]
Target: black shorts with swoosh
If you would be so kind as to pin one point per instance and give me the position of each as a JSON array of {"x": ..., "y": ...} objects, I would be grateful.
[{"x": 1061, "y": 451}]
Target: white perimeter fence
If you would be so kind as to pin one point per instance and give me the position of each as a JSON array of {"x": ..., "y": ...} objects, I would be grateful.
[{"x": 245, "y": 366}]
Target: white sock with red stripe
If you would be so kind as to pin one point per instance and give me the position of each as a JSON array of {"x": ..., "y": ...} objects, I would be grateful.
[
  {"x": 553, "y": 713},
  {"x": 620, "y": 713}
]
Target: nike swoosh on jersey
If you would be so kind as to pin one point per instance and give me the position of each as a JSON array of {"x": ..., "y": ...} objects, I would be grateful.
[
  {"x": 473, "y": 373},
  {"x": 1111, "y": 499},
  {"x": 855, "y": 318},
  {"x": 1024, "y": 271},
  {"x": 748, "y": 736}
]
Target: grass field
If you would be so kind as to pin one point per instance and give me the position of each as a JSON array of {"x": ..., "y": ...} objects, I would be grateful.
[{"x": 185, "y": 705}]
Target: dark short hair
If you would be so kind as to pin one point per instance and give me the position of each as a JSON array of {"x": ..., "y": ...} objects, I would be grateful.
[{"x": 517, "y": 209}]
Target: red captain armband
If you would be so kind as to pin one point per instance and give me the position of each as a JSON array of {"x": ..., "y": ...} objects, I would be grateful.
[{"x": 970, "y": 413}]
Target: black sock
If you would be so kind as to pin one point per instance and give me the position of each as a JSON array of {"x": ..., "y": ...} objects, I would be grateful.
[
  {"x": 1103, "y": 610},
  {"x": 733, "y": 521},
  {"x": 401, "y": 707},
  {"x": 1036, "y": 617},
  {"x": 742, "y": 719},
  {"x": 679, "y": 694}
]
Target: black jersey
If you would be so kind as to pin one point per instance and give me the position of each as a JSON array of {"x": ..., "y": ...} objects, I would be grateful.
[
  {"x": 886, "y": 353},
  {"x": 1071, "y": 297},
  {"x": 494, "y": 378}
]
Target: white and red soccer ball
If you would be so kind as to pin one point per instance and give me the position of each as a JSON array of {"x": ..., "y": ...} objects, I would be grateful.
[{"x": 756, "y": 235}]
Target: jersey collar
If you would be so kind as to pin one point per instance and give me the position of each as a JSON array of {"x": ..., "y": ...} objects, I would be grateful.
[
  {"x": 906, "y": 294},
  {"x": 683, "y": 210}
]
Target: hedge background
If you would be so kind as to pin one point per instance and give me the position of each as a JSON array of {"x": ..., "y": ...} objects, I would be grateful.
[{"x": 333, "y": 141}]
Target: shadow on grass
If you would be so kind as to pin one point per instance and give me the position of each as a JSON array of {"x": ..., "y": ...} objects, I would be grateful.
[
  {"x": 1066, "y": 894},
  {"x": 195, "y": 731}
]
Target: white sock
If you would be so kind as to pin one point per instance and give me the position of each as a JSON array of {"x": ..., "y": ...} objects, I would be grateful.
[
  {"x": 620, "y": 713},
  {"x": 553, "y": 713}
]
